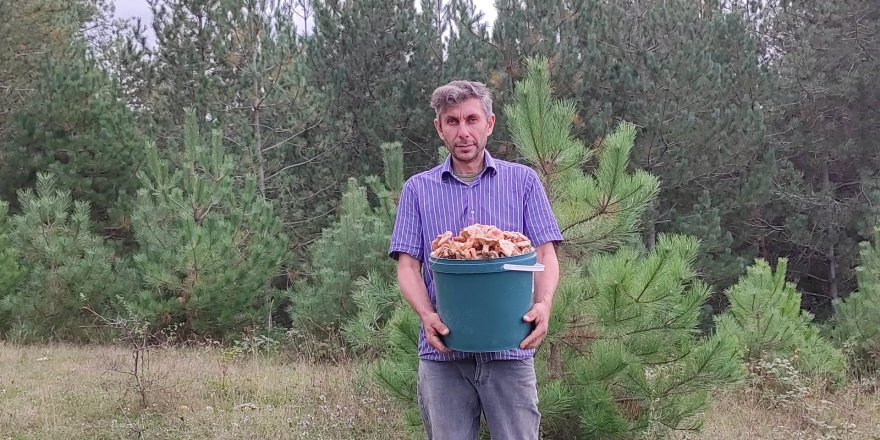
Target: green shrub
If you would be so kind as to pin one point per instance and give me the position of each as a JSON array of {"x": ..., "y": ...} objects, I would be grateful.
[
  {"x": 208, "y": 242},
  {"x": 68, "y": 271},
  {"x": 354, "y": 247},
  {"x": 855, "y": 326},
  {"x": 765, "y": 316}
]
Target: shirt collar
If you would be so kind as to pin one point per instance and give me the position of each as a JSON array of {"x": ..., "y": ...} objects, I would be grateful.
[{"x": 488, "y": 160}]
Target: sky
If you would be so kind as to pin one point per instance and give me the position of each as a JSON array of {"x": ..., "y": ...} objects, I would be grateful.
[{"x": 139, "y": 8}]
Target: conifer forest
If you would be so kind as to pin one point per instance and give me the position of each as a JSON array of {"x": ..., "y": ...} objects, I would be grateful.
[{"x": 228, "y": 176}]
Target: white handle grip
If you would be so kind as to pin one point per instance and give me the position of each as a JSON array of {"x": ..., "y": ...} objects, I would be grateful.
[{"x": 538, "y": 267}]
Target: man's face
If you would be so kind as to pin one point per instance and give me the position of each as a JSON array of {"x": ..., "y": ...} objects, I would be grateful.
[{"x": 465, "y": 129}]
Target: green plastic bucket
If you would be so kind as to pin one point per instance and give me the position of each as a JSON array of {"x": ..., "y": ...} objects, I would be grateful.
[{"x": 483, "y": 301}]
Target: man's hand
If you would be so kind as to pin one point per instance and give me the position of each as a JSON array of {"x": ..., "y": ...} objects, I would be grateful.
[
  {"x": 434, "y": 328},
  {"x": 540, "y": 316},
  {"x": 409, "y": 276},
  {"x": 545, "y": 288}
]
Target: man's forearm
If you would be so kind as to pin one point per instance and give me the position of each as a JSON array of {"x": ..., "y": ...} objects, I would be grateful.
[
  {"x": 409, "y": 278},
  {"x": 546, "y": 281}
]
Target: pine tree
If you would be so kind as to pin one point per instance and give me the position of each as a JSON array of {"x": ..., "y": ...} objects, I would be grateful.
[
  {"x": 242, "y": 67},
  {"x": 182, "y": 70},
  {"x": 630, "y": 362},
  {"x": 621, "y": 358},
  {"x": 355, "y": 246},
  {"x": 32, "y": 31},
  {"x": 469, "y": 53},
  {"x": 765, "y": 316},
  {"x": 684, "y": 72},
  {"x": 822, "y": 57},
  {"x": 707, "y": 220},
  {"x": 534, "y": 29},
  {"x": 598, "y": 211},
  {"x": 855, "y": 325},
  {"x": 208, "y": 242},
  {"x": 376, "y": 297},
  {"x": 427, "y": 67},
  {"x": 11, "y": 271},
  {"x": 76, "y": 126},
  {"x": 397, "y": 370},
  {"x": 68, "y": 270},
  {"x": 276, "y": 113},
  {"x": 365, "y": 57}
]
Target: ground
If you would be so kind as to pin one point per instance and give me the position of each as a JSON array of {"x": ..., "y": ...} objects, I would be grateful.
[{"x": 71, "y": 392}]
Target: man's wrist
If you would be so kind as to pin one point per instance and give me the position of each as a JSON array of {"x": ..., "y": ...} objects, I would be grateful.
[
  {"x": 424, "y": 313},
  {"x": 547, "y": 302}
]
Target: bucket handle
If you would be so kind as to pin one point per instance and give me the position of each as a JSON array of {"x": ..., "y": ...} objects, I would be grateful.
[{"x": 538, "y": 267}]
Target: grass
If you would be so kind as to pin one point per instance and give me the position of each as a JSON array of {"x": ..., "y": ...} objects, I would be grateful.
[
  {"x": 851, "y": 413},
  {"x": 69, "y": 392}
]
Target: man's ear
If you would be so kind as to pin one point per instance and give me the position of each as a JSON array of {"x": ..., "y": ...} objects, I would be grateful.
[
  {"x": 438, "y": 126},
  {"x": 491, "y": 125}
]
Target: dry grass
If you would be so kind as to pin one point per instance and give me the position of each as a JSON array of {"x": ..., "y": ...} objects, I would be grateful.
[
  {"x": 66, "y": 392},
  {"x": 851, "y": 413}
]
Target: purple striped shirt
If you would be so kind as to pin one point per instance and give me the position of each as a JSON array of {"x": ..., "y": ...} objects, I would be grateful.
[{"x": 507, "y": 195}]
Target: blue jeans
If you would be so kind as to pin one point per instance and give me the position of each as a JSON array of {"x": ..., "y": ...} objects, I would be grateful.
[{"x": 452, "y": 394}]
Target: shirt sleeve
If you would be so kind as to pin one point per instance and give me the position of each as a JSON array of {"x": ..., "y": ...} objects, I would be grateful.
[
  {"x": 540, "y": 223},
  {"x": 407, "y": 234}
]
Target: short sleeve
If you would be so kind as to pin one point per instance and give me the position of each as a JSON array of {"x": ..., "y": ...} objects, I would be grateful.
[
  {"x": 407, "y": 234},
  {"x": 540, "y": 223}
]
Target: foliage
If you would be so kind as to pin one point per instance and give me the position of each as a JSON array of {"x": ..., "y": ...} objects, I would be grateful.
[
  {"x": 766, "y": 318},
  {"x": 31, "y": 32},
  {"x": 76, "y": 127},
  {"x": 684, "y": 72},
  {"x": 364, "y": 50},
  {"x": 598, "y": 211},
  {"x": 11, "y": 272},
  {"x": 68, "y": 271},
  {"x": 208, "y": 242},
  {"x": 753, "y": 128},
  {"x": 856, "y": 323},
  {"x": 779, "y": 382},
  {"x": 823, "y": 58},
  {"x": 375, "y": 299},
  {"x": 621, "y": 356},
  {"x": 241, "y": 67},
  {"x": 355, "y": 246},
  {"x": 397, "y": 372}
]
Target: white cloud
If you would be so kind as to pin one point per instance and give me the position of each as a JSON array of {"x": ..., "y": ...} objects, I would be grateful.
[
  {"x": 132, "y": 8},
  {"x": 488, "y": 9}
]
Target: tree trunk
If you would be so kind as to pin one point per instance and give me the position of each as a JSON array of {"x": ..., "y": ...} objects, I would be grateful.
[
  {"x": 832, "y": 273},
  {"x": 258, "y": 142},
  {"x": 832, "y": 261},
  {"x": 257, "y": 105},
  {"x": 650, "y": 225}
]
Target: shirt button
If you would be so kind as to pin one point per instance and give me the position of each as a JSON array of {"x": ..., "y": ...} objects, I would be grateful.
[{"x": 473, "y": 212}]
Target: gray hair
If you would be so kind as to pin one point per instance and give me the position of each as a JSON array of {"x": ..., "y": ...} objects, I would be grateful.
[{"x": 457, "y": 92}]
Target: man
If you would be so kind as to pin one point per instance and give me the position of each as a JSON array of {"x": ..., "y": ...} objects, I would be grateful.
[{"x": 472, "y": 187}]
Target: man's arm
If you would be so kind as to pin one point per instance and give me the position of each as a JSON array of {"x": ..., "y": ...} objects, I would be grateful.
[
  {"x": 545, "y": 288},
  {"x": 409, "y": 277}
]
